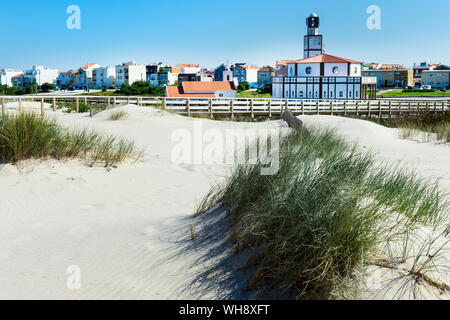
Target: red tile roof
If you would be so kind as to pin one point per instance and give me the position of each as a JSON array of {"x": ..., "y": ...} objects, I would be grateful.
[
  {"x": 177, "y": 92},
  {"x": 88, "y": 66},
  {"x": 188, "y": 65},
  {"x": 284, "y": 63},
  {"x": 200, "y": 89},
  {"x": 325, "y": 58},
  {"x": 267, "y": 68},
  {"x": 248, "y": 67},
  {"x": 207, "y": 86}
]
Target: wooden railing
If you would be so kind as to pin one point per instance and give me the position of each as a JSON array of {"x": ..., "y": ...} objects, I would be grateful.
[{"x": 245, "y": 107}]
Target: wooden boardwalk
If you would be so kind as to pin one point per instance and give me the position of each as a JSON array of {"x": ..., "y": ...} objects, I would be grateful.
[{"x": 248, "y": 107}]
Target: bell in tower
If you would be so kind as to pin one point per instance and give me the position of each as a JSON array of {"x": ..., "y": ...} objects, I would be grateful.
[
  {"x": 313, "y": 24},
  {"x": 313, "y": 40}
]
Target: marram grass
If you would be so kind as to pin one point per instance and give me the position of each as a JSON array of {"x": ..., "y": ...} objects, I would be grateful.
[
  {"x": 28, "y": 135},
  {"x": 322, "y": 216}
]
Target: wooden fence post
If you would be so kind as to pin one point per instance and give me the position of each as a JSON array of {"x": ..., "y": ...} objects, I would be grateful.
[
  {"x": 108, "y": 101},
  {"x": 188, "y": 106},
  {"x": 77, "y": 105},
  {"x": 345, "y": 108},
  {"x": 357, "y": 109},
  {"x": 303, "y": 107},
  {"x": 331, "y": 106},
  {"x": 379, "y": 111},
  {"x": 114, "y": 101},
  {"x": 317, "y": 106},
  {"x": 54, "y": 104},
  {"x": 85, "y": 100},
  {"x": 210, "y": 108},
  {"x": 251, "y": 108},
  {"x": 3, "y": 107},
  {"x": 20, "y": 104},
  {"x": 232, "y": 108},
  {"x": 42, "y": 106},
  {"x": 270, "y": 108},
  {"x": 368, "y": 108},
  {"x": 390, "y": 112}
]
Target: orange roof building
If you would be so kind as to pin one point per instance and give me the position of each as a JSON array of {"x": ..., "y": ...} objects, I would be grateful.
[{"x": 202, "y": 89}]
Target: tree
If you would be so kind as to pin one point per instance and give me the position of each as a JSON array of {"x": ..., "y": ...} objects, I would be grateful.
[
  {"x": 243, "y": 86},
  {"x": 46, "y": 87}
]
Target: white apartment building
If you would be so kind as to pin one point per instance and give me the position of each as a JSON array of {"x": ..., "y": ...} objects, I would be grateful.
[
  {"x": 39, "y": 75},
  {"x": 104, "y": 76},
  {"x": 129, "y": 73},
  {"x": 6, "y": 75},
  {"x": 189, "y": 68}
]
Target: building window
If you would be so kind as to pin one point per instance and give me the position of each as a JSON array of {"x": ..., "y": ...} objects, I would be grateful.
[
  {"x": 335, "y": 70},
  {"x": 350, "y": 94},
  {"x": 308, "y": 70},
  {"x": 300, "y": 94},
  {"x": 341, "y": 94}
]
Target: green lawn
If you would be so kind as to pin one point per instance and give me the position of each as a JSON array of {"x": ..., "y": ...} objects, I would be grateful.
[
  {"x": 416, "y": 94},
  {"x": 253, "y": 94}
]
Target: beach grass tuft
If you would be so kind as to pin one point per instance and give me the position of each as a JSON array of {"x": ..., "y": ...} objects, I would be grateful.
[
  {"x": 323, "y": 215},
  {"x": 117, "y": 115},
  {"x": 28, "y": 135}
]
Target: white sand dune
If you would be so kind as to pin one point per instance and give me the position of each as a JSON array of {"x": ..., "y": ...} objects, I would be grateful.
[{"x": 115, "y": 224}]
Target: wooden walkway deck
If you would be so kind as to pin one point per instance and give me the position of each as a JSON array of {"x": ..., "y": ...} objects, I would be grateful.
[{"x": 248, "y": 107}]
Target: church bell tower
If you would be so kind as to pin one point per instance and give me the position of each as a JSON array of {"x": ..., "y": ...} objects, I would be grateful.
[{"x": 313, "y": 44}]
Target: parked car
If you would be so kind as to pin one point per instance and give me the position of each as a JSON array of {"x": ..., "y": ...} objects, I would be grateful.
[{"x": 426, "y": 87}]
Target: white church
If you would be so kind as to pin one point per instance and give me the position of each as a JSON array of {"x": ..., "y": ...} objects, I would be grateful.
[{"x": 322, "y": 76}]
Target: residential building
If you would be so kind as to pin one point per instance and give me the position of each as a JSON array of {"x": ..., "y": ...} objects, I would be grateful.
[
  {"x": 66, "y": 80},
  {"x": 152, "y": 73},
  {"x": 323, "y": 76},
  {"x": 281, "y": 64},
  {"x": 247, "y": 73},
  {"x": 84, "y": 78},
  {"x": 419, "y": 68},
  {"x": 265, "y": 75},
  {"x": 391, "y": 76},
  {"x": 218, "y": 72},
  {"x": 438, "y": 78},
  {"x": 104, "y": 77},
  {"x": 129, "y": 73},
  {"x": 16, "y": 81},
  {"x": 6, "y": 76},
  {"x": 38, "y": 75},
  {"x": 189, "y": 68},
  {"x": 168, "y": 75},
  {"x": 200, "y": 89}
]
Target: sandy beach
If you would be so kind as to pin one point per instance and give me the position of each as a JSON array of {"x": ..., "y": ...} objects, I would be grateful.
[{"x": 115, "y": 224}]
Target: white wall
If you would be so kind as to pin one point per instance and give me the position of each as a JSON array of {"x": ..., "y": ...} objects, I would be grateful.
[
  {"x": 6, "y": 76},
  {"x": 342, "y": 69},
  {"x": 252, "y": 75},
  {"x": 301, "y": 69}
]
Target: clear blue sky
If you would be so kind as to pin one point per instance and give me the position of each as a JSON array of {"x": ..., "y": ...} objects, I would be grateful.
[{"x": 211, "y": 32}]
